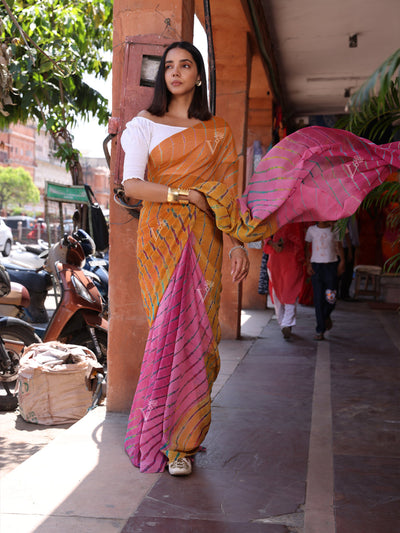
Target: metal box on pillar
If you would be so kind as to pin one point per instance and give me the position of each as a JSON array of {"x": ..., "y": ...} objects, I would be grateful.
[{"x": 142, "y": 57}]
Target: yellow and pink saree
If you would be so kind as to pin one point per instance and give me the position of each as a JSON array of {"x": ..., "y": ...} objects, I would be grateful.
[
  {"x": 179, "y": 253},
  {"x": 313, "y": 174}
]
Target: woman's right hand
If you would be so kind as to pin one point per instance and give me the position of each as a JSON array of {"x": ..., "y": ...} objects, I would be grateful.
[{"x": 198, "y": 199}]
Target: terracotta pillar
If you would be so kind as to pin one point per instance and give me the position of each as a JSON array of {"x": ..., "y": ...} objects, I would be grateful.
[
  {"x": 170, "y": 19},
  {"x": 232, "y": 54},
  {"x": 259, "y": 129}
]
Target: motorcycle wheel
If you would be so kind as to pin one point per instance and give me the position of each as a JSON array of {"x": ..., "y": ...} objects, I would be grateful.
[
  {"x": 15, "y": 337},
  {"x": 84, "y": 339}
]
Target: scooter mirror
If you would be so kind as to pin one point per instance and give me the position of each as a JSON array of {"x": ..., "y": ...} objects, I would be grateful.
[
  {"x": 86, "y": 241},
  {"x": 75, "y": 254}
]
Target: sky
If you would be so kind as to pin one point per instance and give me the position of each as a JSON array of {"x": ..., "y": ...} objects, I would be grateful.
[{"x": 89, "y": 136}]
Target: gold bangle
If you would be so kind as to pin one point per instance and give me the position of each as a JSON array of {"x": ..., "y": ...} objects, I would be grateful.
[
  {"x": 183, "y": 195},
  {"x": 173, "y": 195}
]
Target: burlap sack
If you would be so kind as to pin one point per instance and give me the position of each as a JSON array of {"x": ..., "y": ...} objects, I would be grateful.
[{"x": 51, "y": 382}]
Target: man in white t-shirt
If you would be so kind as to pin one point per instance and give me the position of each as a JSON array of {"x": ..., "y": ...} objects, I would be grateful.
[{"x": 322, "y": 253}]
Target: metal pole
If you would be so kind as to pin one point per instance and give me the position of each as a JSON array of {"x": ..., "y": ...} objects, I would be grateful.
[
  {"x": 60, "y": 214},
  {"x": 47, "y": 219},
  {"x": 211, "y": 56}
]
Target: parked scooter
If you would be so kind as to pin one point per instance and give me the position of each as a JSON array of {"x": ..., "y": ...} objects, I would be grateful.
[
  {"x": 78, "y": 317},
  {"x": 38, "y": 282},
  {"x": 15, "y": 335},
  {"x": 25, "y": 266},
  {"x": 14, "y": 303},
  {"x": 28, "y": 255}
]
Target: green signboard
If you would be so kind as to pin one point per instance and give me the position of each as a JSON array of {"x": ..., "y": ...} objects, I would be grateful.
[{"x": 75, "y": 194}]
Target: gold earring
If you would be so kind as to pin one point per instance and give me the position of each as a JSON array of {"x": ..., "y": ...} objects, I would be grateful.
[{"x": 198, "y": 83}]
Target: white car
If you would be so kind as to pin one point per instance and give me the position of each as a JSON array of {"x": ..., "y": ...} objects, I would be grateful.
[{"x": 6, "y": 238}]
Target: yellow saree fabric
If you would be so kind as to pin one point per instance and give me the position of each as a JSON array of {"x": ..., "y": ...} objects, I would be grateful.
[{"x": 189, "y": 159}]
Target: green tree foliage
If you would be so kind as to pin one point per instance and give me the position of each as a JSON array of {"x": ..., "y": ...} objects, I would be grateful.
[
  {"x": 47, "y": 47},
  {"x": 17, "y": 187}
]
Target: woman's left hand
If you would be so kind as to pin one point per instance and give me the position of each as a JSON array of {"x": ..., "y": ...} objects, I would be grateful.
[
  {"x": 198, "y": 199},
  {"x": 240, "y": 264}
]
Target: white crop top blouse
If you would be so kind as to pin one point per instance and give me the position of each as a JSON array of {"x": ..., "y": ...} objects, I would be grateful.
[{"x": 138, "y": 139}]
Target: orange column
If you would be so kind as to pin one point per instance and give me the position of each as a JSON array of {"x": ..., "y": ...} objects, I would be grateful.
[
  {"x": 259, "y": 129},
  {"x": 233, "y": 64},
  {"x": 128, "y": 326}
]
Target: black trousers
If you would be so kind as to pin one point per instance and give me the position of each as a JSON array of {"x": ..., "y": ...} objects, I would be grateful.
[{"x": 324, "y": 282}]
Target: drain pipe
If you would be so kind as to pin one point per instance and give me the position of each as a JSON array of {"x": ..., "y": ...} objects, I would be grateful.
[
  {"x": 211, "y": 56},
  {"x": 274, "y": 82}
]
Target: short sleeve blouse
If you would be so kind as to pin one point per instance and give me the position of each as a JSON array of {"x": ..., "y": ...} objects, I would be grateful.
[{"x": 138, "y": 139}]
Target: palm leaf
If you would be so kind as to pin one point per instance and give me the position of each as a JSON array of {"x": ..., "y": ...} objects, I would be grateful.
[
  {"x": 392, "y": 264},
  {"x": 383, "y": 195},
  {"x": 341, "y": 226},
  {"x": 378, "y": 83},
  {"x": 379, "y": 122}
]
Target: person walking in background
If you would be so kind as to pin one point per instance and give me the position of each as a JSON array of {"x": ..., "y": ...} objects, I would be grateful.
[
  {"x": 351, "y": 245},
  {"x": 322, "y": 251},
  {"x": 263, "y": 278},
  {"x": 286, "y": 273}
]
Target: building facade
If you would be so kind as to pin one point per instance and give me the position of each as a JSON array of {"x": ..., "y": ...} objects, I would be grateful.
[
  {"x": 23, "y": 146},
  {"x": 18, "y": 147}
]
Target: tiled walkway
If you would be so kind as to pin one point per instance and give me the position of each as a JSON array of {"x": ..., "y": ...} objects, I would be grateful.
[{"x": 305, "y": 439}]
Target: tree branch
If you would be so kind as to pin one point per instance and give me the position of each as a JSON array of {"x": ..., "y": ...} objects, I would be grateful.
[{"x": 26, "y": 37}]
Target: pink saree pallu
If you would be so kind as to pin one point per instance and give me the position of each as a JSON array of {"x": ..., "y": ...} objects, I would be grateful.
[
  {"x": 318, "y": 174},
  {"x": 313, "y": 174},
  {"x": 171, "y": 411}
]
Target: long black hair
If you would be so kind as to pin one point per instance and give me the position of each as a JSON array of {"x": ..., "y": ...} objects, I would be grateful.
[{"x": 199, "y": 107}]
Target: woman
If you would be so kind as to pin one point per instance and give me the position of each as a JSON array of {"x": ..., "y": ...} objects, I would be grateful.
[
  {"x": 286, "y": 259},
  {"x": 179, "y": 252}
]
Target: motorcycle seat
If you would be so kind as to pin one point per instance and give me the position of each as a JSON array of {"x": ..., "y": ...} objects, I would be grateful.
[
  {"x": 32, "y": 280},
  {"x": 34, "y": 248}
]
